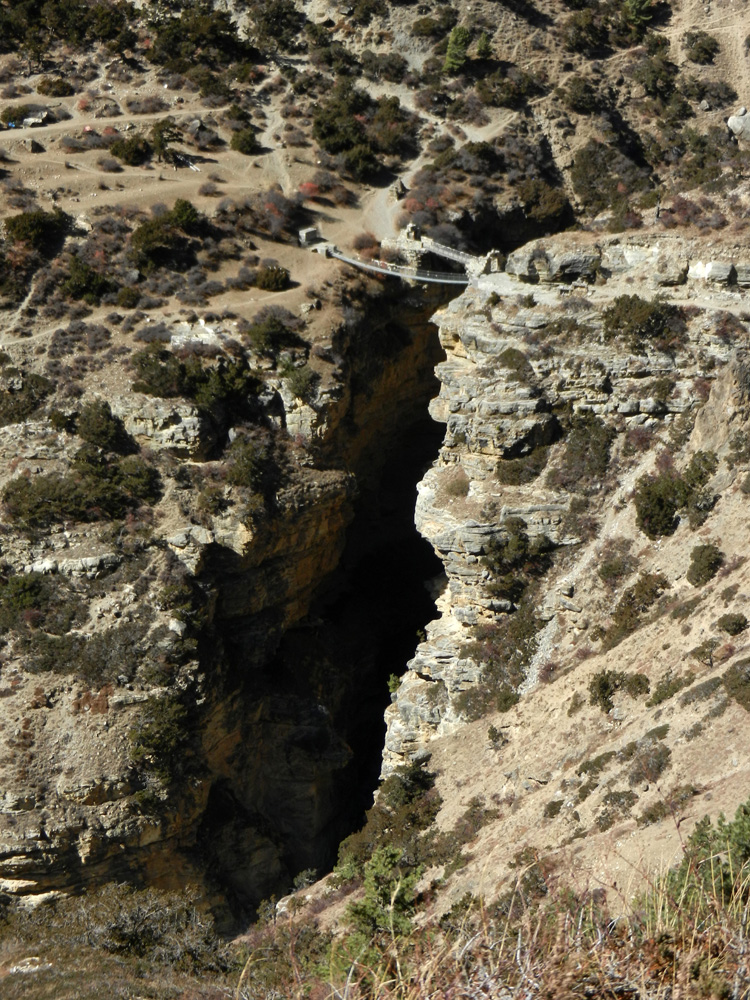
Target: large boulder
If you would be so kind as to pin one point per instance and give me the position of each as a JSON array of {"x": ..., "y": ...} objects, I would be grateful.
[{"x": 739, "y": 125}]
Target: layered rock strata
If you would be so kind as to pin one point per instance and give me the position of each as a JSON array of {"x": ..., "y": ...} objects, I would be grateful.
[{"x": 523, "y": 349}]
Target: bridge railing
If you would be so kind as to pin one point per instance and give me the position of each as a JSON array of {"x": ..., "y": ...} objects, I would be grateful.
[
  {"x": 400, "y": 271},
  {"x": 443, "y": 251}
]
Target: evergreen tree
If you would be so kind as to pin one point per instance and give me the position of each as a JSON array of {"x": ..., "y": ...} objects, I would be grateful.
[
  {"x": 484, "y": 48},
  {"x": 458, "y": 43},
  {"x": 162, "y": 134}
]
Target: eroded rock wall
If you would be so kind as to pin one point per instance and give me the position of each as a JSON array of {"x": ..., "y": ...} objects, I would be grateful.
[
  {"x": 525, "y": 350},
  {"x": 196, "y": 625}
]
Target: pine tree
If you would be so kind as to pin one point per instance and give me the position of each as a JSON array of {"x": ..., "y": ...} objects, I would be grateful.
[
  {"x": 484, "y": 48},
  {"x": 458, "y": 43}
]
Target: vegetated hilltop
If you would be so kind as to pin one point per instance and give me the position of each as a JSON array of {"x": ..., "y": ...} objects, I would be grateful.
[{"x": 190, "y": 403}]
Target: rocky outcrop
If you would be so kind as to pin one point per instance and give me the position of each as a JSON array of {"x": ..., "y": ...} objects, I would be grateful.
[
  {"x": 652, "y": 262},
  {"x": 517, "y": 367},
  {"x": 172, "y": 425}
]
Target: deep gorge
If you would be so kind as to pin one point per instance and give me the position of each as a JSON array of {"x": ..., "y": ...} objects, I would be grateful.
[{"x": 308, "y": 721}]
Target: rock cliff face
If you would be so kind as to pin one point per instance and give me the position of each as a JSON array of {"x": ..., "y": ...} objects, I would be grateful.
[
  {"x": 193, "y": 726},
  {"x": 527, "y": 351}
]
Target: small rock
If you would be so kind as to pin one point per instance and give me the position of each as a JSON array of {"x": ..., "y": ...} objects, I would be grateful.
[
  {"x": 570, "y": 606},
  {"x": 705, "y": 106}
]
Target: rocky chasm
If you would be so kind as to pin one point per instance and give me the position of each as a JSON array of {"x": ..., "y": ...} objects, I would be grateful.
[{"x": 265, "y": 707}]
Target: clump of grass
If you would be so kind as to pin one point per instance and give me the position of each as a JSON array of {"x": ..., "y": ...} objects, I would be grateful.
[
  {"x": 669, "y": 805},
  {"x": 701, "y": 692},
  {"x": 737, "y": 683},
  {"x": 668, "y": 686}
]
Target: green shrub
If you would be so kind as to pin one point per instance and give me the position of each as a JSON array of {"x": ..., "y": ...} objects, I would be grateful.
[
  {"x": 435, "y": 27},
  {"x": 456, "y": 53},
  {"x": 83, "y": 282},
  {"x": 584, "y": 32},
  {"x": 634, "y": 603},
  {"x": 542, "y": 202},
  {"x": 302, "y": 382},
  {"x": 604, "y": 177},
  {"x": 97, "y": 426},
  {"x": 245, "y": 141},
  {"x": 733, "y": 624},
  {"x": 31, "y": 600},
  {"x": 700, "y": 47},
  {"x": 159, "y": 373},
  {"x": 160, "y": 739},
  {"x": 581, "y": 96},
  {"x": 133, "y": 151},
  {"x": 95, "y": 489},
  {"x": 42, "y": 231},
  {"x": 251, "y": 465},
  {"x": 519, "y": 471},
  {"x": 642, "y": 323},
  {"x": 270, "y": 334},
  {"x": 406, "y": 805},
  {"x": 705, "y": 563},
  {"x": 272, "y": 278},
  {"x": 636, "y": 685},
  {"x": 657, "y": 500},
  {"x": 128, "y": 297},
  {"x": 62, "y": 421},
  {"x": 515, "y": 361},
  {"x": 21, "y": 403},
  {"x": 515, "y": 559},
  {"x": 15, "y": 114},
  {"x": 586, "y": 457},
  {"x": 596, "y": 765},
  {"x": 226, "y": 388},
  {"x": 55, "y": 87},
  {"x": 704, "y": 652},
  {"x": 602, "y": 686},
  {"x": 552, "y": 808},
  {"x": 657, "y": 74},
  {"x": 605, "y": 683},
  {"x": 388, "y": 904}
]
